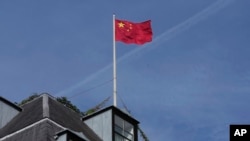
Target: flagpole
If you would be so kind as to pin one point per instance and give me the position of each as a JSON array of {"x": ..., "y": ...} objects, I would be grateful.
[{"x": 114, "y": 64}]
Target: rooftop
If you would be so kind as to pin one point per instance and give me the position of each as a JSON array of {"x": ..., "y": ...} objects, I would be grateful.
[{"x": 45, "y": 112}]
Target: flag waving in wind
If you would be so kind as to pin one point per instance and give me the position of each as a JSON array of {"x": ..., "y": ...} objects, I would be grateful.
[{"x": 129, "y": 32}]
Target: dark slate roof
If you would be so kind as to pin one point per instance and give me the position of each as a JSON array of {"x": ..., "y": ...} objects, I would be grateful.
[
  {"x": 70, "y": 119},
  {"x": 40, "y": 109},
  {"x": 32, "y": 112},
  {"x": 44, "y": 130}
]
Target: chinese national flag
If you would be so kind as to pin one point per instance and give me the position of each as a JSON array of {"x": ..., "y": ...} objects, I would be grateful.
[{"x": 129, "y": 32}]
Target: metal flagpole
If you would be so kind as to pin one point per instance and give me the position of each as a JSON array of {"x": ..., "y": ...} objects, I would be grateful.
[{"x": 114, "y": 64}]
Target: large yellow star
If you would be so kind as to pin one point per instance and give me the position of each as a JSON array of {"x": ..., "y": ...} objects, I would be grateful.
[{"x": 121, "y": 24}]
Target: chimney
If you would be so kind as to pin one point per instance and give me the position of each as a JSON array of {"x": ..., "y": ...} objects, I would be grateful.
[{"x": 8, "y": 111}]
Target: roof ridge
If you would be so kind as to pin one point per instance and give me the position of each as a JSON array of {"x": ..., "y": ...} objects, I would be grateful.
[
  {"x": 37, "y": 97},
  {"x": 45, "y": 105},
  {"x": 49, "y": 95}
]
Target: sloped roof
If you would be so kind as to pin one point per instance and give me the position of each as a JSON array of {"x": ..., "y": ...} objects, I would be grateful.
[
  {"x": 44, "y": 107},
  {"x": 31, "y": 113},
  {"x": 70, "y": 119}
]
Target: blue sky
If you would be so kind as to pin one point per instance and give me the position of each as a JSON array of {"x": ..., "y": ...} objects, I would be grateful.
[{"x": 190, "y": 83}]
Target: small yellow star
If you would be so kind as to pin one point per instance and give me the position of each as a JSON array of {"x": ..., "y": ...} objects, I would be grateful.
[{"x": 121, "y": 25}]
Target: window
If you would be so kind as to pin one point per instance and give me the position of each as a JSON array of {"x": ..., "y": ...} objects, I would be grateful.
[{"x": 124, "y": 131}]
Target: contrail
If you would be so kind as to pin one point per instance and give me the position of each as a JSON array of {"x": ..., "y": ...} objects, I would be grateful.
[{"x": 165, "y": 36}]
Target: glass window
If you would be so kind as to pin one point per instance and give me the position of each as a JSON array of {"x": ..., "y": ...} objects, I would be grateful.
[{"x": 124, "y": 131}]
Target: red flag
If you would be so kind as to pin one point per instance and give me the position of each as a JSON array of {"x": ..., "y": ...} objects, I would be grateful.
[{"x": 129, "y": 32}]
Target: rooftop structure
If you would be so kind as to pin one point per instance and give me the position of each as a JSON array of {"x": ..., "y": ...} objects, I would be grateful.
[{"x": 46, "y": 119}]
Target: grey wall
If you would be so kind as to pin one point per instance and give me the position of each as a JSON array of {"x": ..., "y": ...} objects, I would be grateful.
[
  {"x": 102, "y": 125},
  {"x": 7, "y": 112}
]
